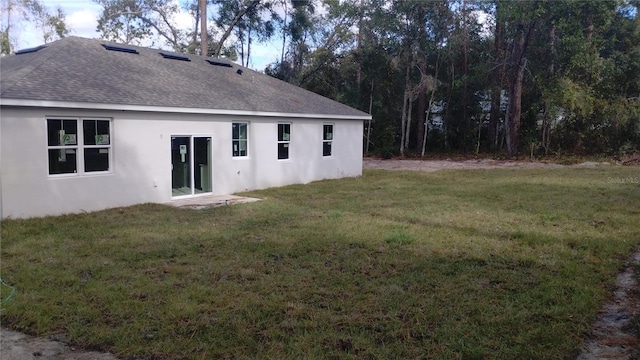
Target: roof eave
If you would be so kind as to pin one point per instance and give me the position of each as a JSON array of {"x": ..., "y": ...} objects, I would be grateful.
[{"x": 170, "y": 109}]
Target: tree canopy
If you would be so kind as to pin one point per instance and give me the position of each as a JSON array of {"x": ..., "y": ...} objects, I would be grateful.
[
  {"x": 468, "y": 76},
  {"x": 50, "y": 23}
]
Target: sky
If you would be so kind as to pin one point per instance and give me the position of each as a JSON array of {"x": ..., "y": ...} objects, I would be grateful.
[{"x": 82, "y": 19}]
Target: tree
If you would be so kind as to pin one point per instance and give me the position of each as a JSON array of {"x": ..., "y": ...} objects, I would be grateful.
[
  {"x": 133, "y": 21},
  {"x": 521, "y": 20},
  {"x": 230, "y": 14},
  {"x": 498, "y": 77},
  {"x": 51, "y": 24}
]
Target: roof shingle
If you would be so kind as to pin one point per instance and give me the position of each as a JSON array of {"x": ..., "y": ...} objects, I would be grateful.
[{"x": 81, "y": 70}]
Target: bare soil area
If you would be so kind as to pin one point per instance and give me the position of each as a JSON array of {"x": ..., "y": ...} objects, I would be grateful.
[
  {"x": 18, "y": 346},
  {"x": 435, "y": 165},
  {"x": 614, "y": 334}
]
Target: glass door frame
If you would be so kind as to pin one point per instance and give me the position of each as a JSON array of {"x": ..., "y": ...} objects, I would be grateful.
[{"x": 192, "y": 165}]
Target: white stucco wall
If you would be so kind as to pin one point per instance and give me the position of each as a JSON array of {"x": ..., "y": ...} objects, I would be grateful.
[{"x": 141, "y": 158}]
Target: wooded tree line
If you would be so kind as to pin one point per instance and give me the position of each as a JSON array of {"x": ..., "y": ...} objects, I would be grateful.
[
  {"x": 520, "y": 77},
  {"x": 471, "y": 76}
]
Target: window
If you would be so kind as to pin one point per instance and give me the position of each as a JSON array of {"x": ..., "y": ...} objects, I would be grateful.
[
  {"x": 96, "y": 145},
  {"x": 239, "y": 138},
  {"x": 327, "y": 139},
  {"x": 284, "y": 139},
  {"x": 63, "y": 146},
  {"x": 70, "y": 145}
]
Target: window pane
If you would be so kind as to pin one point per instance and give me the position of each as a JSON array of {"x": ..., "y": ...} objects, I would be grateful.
[
  {"x": 89, "y": 127},
  {"x": 236, "y": 147},
  {"x": 243, "y": 147},
  {"x": 326, "y": 148},
  {"x": 96, "y": 132},
  {"x": 235, "y": 131},
  {"x": 243, "y": 131},
  {"x": 284, "y": 132},
  {"x": 62, "y": 161},
  {"x": 328, "y": 132},
  {"x": 53, "y": 131},
  {"x": 103, "y": 129},
  {"x": 283, "y": 151},
  {"x": 96, "y": 159},
  {"x": 238, "y": 131},
  {"x": 62, "y": 132}
]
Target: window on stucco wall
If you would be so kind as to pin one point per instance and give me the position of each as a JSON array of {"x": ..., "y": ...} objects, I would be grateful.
[
  {"x": 239, "y": 139},
  {"x": 284, "y": 140},
  {"x": 78, "y": 145},
  {"x": 327, "y": 139}
]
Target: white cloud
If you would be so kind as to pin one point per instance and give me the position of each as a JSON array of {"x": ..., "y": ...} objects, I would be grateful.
[
  {"x": 183, "y": 20},
  {"x": 83, "y": 23}
]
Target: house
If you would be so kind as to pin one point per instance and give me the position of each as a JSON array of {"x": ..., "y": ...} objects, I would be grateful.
[{"x": 89, "y": 125}]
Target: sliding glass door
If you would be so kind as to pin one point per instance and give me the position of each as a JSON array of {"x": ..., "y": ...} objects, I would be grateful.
[{"x": 190, "y": 165}]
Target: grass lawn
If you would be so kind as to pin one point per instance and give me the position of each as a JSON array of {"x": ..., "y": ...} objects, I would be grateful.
[{"x": 495, "y": 264}]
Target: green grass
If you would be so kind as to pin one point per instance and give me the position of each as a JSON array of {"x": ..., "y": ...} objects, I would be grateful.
[{"x": 486, "y": 264}]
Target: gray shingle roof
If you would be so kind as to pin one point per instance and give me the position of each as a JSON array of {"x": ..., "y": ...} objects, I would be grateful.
[{"x": 81, "y": 70}]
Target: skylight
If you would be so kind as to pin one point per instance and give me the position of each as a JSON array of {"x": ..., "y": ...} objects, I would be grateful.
[
  {"x": 120, "y": 49},
  {"x": 219, "y": 62},
  {"x": 175, "y": 57},
  {"x": 30, "y": 50}
]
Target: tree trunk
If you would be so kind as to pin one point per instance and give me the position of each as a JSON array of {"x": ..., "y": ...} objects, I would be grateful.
[
  {"x": 426, "y": 117},
  {"x": 369, "y": 127},
  {"x": 422, "y": 104},
  {"x": 284, "y": 31},
  {"x": 202, "y": 6},
  {"x": 496, "y": 92},
  {"x": 515, "y": 110},
  {"x": 407, "y": 95},
  {"x": 248, "y": 45},
  {"x": 515, "y": 90},
  {"x": 548, "y": 107},
  {"x": 422, "y": 65},
  {"x": 403, "y": 124},
  {"x": 465, "y": 73},
  {"x": 428, "y": 112},
  {"x": 408, "y": 127},
  {"x": 7, "y": 30},
  {"x": 359, "y": 47},
  {"x": 194, "y": 39},
  {"x": 445, "y": 121},
  {"x": 546, "y": 130}
]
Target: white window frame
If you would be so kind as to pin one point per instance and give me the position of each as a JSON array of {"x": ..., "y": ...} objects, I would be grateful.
[
  {"x": 80, "y": 146},
  {"x": 246, "y": 140},
  {"x": 328, "y": 141},
  {"x": 286, "y": 142}
]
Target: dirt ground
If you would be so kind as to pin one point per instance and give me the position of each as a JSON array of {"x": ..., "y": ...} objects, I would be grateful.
[
  {"x": 18, "y": 346},
  {"x": 612, "y": 336},
  {"x": 435, "y": 165},
  {"x": 614, "y": 333}
]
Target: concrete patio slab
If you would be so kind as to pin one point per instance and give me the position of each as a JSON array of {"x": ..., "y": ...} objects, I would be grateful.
[{"x": 208, "y": 201}]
